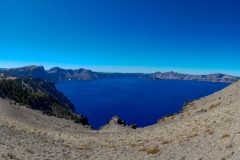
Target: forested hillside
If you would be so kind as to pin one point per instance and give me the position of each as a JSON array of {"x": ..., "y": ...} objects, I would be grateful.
[{"x": 39, "y": 95}]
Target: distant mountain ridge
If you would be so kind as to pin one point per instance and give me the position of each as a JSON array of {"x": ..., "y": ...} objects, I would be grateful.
[
  {"x": 58, "y": 74},
  {"x": 216, "y": 77}
]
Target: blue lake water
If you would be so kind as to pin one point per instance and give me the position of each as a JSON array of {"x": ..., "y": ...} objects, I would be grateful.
[{"x": 139, "y": 101}]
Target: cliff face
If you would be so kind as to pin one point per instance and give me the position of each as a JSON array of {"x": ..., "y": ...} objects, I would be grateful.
[
  {"x": 29, "y": 71},
  {"x": 58, "y": 74},
  {"x": 217, "y": 77}
]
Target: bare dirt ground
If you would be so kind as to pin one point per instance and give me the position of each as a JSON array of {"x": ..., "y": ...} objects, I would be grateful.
[{"x": 208, "y": 128}]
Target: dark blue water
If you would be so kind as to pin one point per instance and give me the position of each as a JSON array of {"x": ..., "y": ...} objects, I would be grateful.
[{"x": 137, "y": 101}]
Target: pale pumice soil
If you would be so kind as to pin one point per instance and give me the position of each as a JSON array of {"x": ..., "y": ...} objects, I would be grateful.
[{"x": 26, "y": 134}]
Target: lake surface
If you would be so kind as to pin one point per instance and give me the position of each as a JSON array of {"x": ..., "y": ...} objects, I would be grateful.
[{"x": 139, "y": 101}]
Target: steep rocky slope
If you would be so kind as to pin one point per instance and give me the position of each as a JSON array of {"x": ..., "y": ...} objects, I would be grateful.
[
  {"x": 40, "y": 95},
  {"x": 58, "y": 74},
  {"x": 207, "y": 128}
]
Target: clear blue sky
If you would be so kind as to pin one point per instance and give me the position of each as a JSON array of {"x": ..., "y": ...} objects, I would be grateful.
[{"x": 189, "y": 36}]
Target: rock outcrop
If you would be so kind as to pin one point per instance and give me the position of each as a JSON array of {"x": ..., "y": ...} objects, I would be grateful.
[
  {"x": 118, "y": 124},
  {"x": 133, "y": 126},
  {"x": 117, "y": 120}
]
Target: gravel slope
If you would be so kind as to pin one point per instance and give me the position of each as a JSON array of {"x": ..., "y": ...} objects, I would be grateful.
[{"x": 207, "y": 129}]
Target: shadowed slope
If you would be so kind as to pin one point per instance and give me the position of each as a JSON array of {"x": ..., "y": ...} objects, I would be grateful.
[{"x": 39, "y": 95}]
